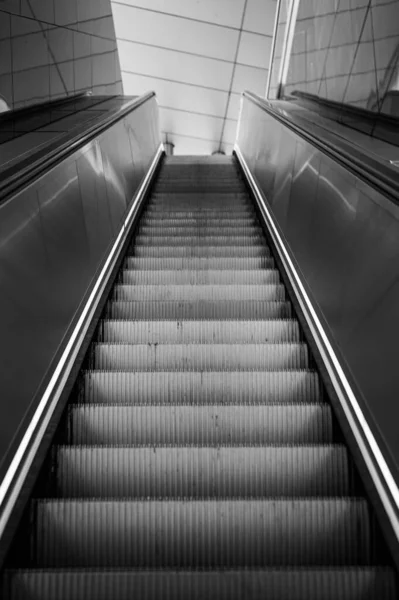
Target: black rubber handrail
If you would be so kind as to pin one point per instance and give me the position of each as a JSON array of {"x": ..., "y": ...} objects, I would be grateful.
[
  {"x": 380, "y": 174},
  {"x": 26, "y": 170}
]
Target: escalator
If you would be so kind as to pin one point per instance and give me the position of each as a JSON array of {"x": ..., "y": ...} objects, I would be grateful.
[{"x": 199, "y": 456}]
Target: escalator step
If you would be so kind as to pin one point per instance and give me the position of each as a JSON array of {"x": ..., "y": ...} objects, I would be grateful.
[
  {"x": 231, "y": 188},
  {"x": 193, "y": 264},
  {"x": 204, "y": 309},
  {"x": 216, "y": 198},
  {"x": 192, "y": 209},
  {"x": 201, "y": 251},
  {"x": 141, "y": 332},
  {"x": 199, "y": 357},
  {"x": 200, "y": 424},
  {"x": 189, "y": 230},
  {"x": 200, "y": 277},
  {"x": 256, "y": 584},
  {"x": 202, "y": 472},
  {"x": 192, "y": 293},
  {"x": 193, "y": 388},
  {"x": 202, "y": 533},
  {"x": 224, "y": 204},
  {"x": 203, "y": 221},
  {"x": 202, "y": 239}
]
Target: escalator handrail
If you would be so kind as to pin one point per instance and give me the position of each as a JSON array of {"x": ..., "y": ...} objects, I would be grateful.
[
  {"x": 51, "y": 155},
  {"x": 380, "y": 174}
]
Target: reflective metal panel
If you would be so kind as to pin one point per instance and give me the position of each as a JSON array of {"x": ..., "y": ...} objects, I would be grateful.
[
  {"x": 345, "y": 237},
  {"x": 54, "y": 236}
]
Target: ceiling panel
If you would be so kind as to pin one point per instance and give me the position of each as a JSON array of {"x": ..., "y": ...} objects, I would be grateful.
[
  {"x": 254, "y": 49},
  {"x": 185, "y": 35},
  {"x": 260, "y": 15},
  {"x": 178, "y": 95},
  {"x": 249, "y": 78},
  {"x": 176, "y": 66},
  {"x": 191, "y": 124},
  {"x": 198, "y": 60},
  {"x": 221, "y": 12}
]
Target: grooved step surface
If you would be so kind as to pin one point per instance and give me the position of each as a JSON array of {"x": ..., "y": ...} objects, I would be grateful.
[
  {"x": 204, "y": 533},
  {"x": 249, "y": 584},
  {"x": 189, "y": 293},
  {"x": 200, "y": 309},
  {"x": 200, "y": 357},
  {"x": 200, "y": 277},
  {"x": 141, "y": 332},
  {"x": 231, "y": 388},
  {"x": 202, "y": 251},
  {"x": 199, "y": 220},
  {"x": 202, "y": 472},
  {"x": 188, "y": 230},
  {"x": 202, "y": 424},
  {"x": 199, "y": 240},
  {"x": 194, "y": 264}
]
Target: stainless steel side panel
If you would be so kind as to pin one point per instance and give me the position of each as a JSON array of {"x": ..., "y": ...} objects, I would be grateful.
[
  {"x": 345, "y": 237},
  {"x": 53, "y": 237}
]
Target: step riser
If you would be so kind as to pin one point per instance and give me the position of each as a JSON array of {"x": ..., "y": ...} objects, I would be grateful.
[
  {"x": 198, "y": 293},
  {"x": 188, "y": 263},
  {"x": 201, "y": 472},
  {"x": 192, "y": 357},
  {"x": 239, "y": 310},
  {"x": 227, "y": 533},
  {"x": 201, "y": 425},
  {"x": 251, "y": 388},
  {"x": 278, "y": 584},
  {"x": 265, "y": 277},
  {"x": 201, "y": 252},
  {"x": 172, "y": 232},
  {"x": 218, "y": 332},
  {"x": 199, "y": 240},
  {"x": 200, "y": 222}
]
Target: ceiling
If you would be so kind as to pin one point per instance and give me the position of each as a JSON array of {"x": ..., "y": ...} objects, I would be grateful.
[{"x": 198, "y": 56}]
